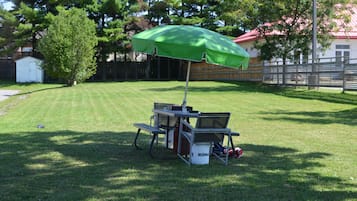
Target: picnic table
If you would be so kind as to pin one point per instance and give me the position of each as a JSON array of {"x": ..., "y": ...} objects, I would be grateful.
[
  {"x": 156, "y": 128},
  {"x": 181, "y": 144}
]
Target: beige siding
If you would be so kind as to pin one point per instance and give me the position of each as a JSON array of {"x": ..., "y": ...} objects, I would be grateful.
[{"x": 204, "y": 71}]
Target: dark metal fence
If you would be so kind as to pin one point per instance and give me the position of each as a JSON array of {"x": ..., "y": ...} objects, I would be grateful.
[
  {"x": 119, "y": 71},
  {"x": 7, "y": 70},
  {"x": 156, "y": 69}
]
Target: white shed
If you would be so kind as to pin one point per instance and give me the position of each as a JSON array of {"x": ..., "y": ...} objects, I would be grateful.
[{"x": 28, "y": 69}]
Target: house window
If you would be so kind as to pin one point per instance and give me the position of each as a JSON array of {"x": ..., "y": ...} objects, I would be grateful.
[
  {"x": 297, "y": 57},
  {"x": 338, "y": 47},
  {"x": 305, "y": 58},
  {"x": 342, "y": 54},
  {"x": 301, "y": 57},
  {"x": 346, "y": 57}
]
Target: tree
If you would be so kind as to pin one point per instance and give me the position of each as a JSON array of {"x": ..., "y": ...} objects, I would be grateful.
[
  {"x": 236, "y": 16},
  {"x": 159, "y": 12},
  {"x": 286, "y": 27},
  {"x": 31, "y": 21},
  {"x": 195, "y": 12},
  {"x": 186, "y": 12},
  {"x": 8, "y": 24},
  {"x": 28, "y": 21},
  {"x": 69, "y": 46},
  {"x": 112, "y": 18}
]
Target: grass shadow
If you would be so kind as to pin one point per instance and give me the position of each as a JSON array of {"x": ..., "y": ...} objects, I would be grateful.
[
  {"x": 43, "y": 165},
  {"x": 71, "y": 165},
  {"x": 39, "y": 90},
  {"x": 342, "y": 98},
  {"x": 28, "y": 86},
  {"x": 234, "y": 86},
  {"x": 249, "y": 87},
  {"x": 346, "y": 117}
]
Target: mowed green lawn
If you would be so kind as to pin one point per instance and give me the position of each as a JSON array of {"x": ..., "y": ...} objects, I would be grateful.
[{"x": 298, "y": 144}]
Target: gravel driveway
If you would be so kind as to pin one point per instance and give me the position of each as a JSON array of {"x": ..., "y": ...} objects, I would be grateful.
[{"x": 4, "y": 94}]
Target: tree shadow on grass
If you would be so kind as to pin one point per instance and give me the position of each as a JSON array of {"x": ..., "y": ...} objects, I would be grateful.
[
  {"x": 332, "y": 97},
  {"x": 234, "y": 86},
  {"x": 346, "y": 117},
  {"x": 70, "y": 165},
  {"x": 248, "y": 87},
  {"x": 41, "y": 89},
  {"x": 343, "y": 98}
]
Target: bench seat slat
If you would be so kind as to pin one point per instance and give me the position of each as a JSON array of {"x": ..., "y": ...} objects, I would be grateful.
[{"x": 149, "y": 128}]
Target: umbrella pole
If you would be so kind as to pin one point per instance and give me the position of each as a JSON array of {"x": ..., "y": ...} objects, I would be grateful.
[{"x": 187, "y": 79}]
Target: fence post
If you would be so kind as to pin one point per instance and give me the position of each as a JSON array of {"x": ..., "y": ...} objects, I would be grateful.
[
  {"x": 104, "y": 75},
  {"x": 263, "y": 72},
  {"x": 115, "y": 71},
  {"x": 136, "y": 71},
  {"x": 148, "y": 64},
  {"x": 158, "y": 67},
  {"x": 296, "y": 75},
  {"x": 343, "y": 77},
  {"x": 277, "y": 74}
]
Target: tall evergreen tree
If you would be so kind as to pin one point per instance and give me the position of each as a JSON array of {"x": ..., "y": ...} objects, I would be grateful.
[
  {"x": 236, "y": 16},
  {"x": 31, "y": 20},
  {"x": 8, "y": 24},
  {"x": 112, "y": 18},
  {"x": 196, "y": 12}
]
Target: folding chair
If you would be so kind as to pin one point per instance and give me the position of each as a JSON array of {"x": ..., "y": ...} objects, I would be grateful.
[
  {"x": 210, "y": 128},
  {"x": 163, "y": 121}
]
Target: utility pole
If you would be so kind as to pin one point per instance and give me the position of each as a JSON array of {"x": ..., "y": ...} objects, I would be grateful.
[
  {"x": 314, "y": 80},
  {"x": 314, "y": 35}
]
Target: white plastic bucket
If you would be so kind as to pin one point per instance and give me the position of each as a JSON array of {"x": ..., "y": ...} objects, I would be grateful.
[{"x": 200, "y": 154}]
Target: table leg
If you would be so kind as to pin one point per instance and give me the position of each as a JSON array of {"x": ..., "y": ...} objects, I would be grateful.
[
  {"x": 167, "y": 131},
  {"x": 152, "y": 143},
  {"x": 136, "y": 138},
  {"x": 179, "y": 137}
]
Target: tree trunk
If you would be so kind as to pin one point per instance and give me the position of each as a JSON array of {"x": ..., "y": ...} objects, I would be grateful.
[
  {"x": 71, "y": 82},
  {"x": 33, "y": 41},
  {"x": 115, "y": 66}
]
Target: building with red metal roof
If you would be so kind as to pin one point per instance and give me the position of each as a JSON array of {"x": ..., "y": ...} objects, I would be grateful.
[{"x": 343, "y": 44}]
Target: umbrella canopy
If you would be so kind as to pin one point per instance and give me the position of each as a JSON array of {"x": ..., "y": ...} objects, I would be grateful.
[{"x": 193, "y": 44}]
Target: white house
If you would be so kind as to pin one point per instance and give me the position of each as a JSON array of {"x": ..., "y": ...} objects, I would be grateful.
[
  {"x": 343, "y": 46},
  {"x": 28, "y": 69}
]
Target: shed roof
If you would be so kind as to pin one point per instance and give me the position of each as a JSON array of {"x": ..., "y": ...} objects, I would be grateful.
[{"x": 28, "y": 57}]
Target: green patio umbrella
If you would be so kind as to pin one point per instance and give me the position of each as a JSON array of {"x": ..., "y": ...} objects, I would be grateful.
[{"x": 192, "y": 44}]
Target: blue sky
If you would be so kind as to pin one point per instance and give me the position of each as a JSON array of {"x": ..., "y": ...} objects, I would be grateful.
[{"x": 7, "y": 5}]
